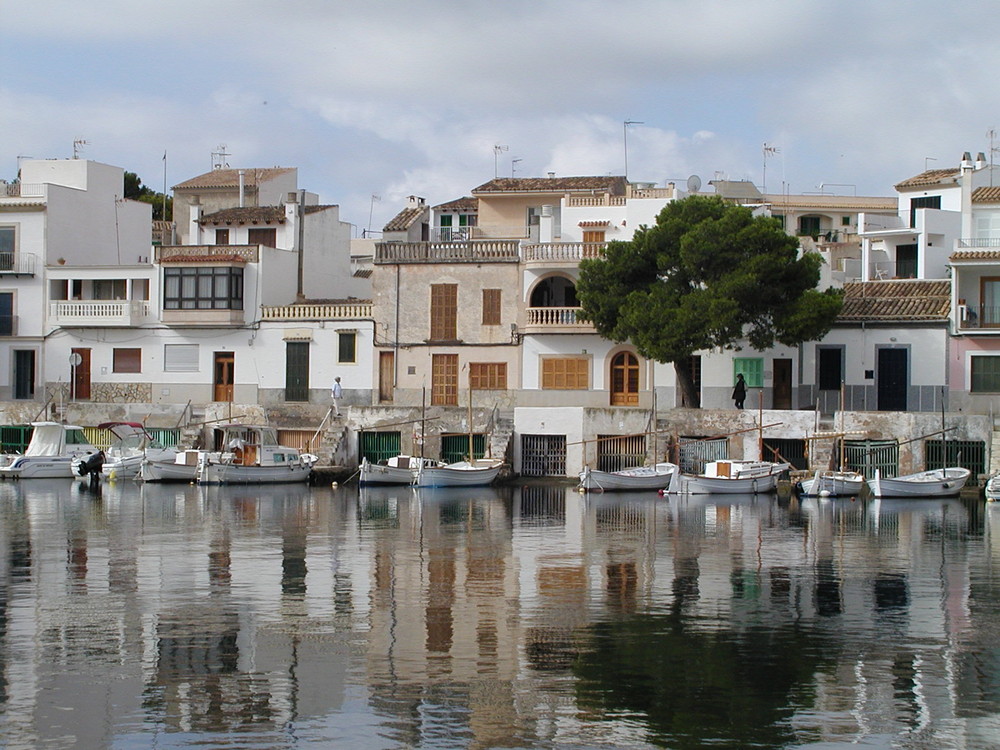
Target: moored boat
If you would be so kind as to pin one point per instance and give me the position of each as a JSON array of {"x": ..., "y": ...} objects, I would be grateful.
[
  {"x": 734, "y": 477},
  {"x": 832, "y": 484},
  {"x": 50, "y": 453},
  {"x": 933, "y": 483},
  {"x": 123, "y": 458},
  {"x": 396, "y": 470},
  {"x": 993, "y": 487},
  {"x": 183, "y": 467},
  {"x": 480, "y": 471},
  {"x": 253, "y": 455},
  {"x": 656, "y": 477}
]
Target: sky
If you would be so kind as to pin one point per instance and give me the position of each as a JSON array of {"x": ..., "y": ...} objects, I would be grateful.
[{"x": 379, "y": 100}]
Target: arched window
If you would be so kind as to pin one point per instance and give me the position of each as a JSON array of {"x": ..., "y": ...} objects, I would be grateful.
[{"x": 624, "y": 380}]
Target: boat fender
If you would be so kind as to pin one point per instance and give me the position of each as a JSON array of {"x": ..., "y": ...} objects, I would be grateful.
[{"x": 333, "y": 484}]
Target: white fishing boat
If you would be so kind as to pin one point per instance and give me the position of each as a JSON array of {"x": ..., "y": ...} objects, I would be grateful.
[
  {"x": 50, "y": 453},
  {"x": 657, "y": 477},
  {"x": 395, "y": 470},
  {"x": 253, "y": 455},
  {"x": 832, "y": 484},
  {"x": 183, "y": 467},
  {"x": 734, "y": 477},
  {"x": 131, "y": 444},
  {"x": 934, "y": 483},
  {"x": 480, "y": 471},
  {"x": 993, "y": 487}
]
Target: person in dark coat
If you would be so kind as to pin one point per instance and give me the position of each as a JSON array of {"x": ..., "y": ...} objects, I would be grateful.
[{"x": 740, "y": 391}]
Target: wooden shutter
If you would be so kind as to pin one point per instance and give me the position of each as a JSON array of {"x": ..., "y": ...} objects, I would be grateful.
[{"x": 444, "y": 312}]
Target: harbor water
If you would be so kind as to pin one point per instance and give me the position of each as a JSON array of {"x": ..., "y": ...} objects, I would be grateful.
[{"x": 179, "y": 616}]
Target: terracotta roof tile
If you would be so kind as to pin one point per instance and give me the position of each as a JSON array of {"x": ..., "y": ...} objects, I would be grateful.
[
  {"x": 229, "y": 258},
  {"x": 847, "y": 203},
  {"x": 930, "y": 177},
  {"x": 405, "y": 219},
  {"x": 246, "y": 215},
  {"x": 975, "y": 255},
  {"x": 594, "y": 223},
  {"x": 230, "y": 178},
  {"x": 611, "y": 185},
  {"x": 468, "y": 204},
  {"x": 907, "y": 300},
  {"x": 989, "y": 194}
]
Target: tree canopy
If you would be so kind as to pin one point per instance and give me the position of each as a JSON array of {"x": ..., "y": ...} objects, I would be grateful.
[
  {"x": 707, "y": 274},
  {"x": 135, "y": 190}
]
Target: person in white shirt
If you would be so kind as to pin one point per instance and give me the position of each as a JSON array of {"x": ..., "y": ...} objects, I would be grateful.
[{"x": 338, "y": 393}]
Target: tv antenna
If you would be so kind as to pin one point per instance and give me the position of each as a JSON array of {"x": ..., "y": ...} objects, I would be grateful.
[
  {"x": 497, "y": 150},
  {"x": 625, "y": 140},
  {"x": 768, "y": 150},
  {"x": 78, "y": 145},
  {"x": 513, "y": 166},
  {"x": 694, "y": 183},
  {"x": 219, "y": 158}
]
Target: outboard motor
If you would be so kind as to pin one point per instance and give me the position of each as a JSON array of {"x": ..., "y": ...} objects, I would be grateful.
[{"x": 92, "y": 465}]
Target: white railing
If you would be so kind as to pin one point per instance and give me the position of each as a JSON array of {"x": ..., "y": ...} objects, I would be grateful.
[
  {"x": 554, "y": 317},
  {"x": 18, "y": 263},
  {"x": 974, "y": 242},
  {"x": 249, "y": 253},
  {"x": 22, "y": 190},
  {"x": 322, "y": 311},
  {"x": 587, "y": 201},
  {"x": 564, "y": 251},
  {"x": 430, "y": 252},
  {"x": 99, "y": 312}
]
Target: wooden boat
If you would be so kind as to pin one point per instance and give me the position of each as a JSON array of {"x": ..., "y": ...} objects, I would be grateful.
[
  {"x": 734, "y": 477},
  {"x": 253, "y": 455},
  {"x": 478, "y": 472},
  {"x": 934, "y": 483},
  {"x": 656, "y": 477},
  {"x": 832, "y": 484},
  {"x": 183, "y": 467},
  {"x": 395, "y": 470},
  {"x": 50, "y": 453},
  {"x": 993, "y": 487},
  {"x": 131, "y": 444}
]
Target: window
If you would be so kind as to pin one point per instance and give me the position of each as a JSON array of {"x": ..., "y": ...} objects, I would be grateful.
[
  {"x": 221, "y": 236},
  {"x": 593, "y": 235},
  {"x": 808, "y": 225},
  {"x": 263, "y": 236},
  {"x": 491, "y": 307},
  {"x": 444, "y": 312},
  {"x": 985, "y": 374},
  {"x": 906, "y": 261},
  {"x": 831, "y": 368},
  {"x": 347, "y": 345},
  {"x": 211, "y": 288},
  {"x": 927, "y": 201},
  {"x": 444, "y": 380},
  {"x": 989, "y": 294},
  {"x": 127, "y": 360},
  {"x": 8, "y": 244},
  {"x": 752, "y": 369},
  {"x": 6, "y": 313},
  {"x": 180, "y": 358},
  {"x": 845, "y": 221},
  {"x": 488, "y": 376},
  {"x": 446, "y": 227},
  {"x": 565, "y": 373}
]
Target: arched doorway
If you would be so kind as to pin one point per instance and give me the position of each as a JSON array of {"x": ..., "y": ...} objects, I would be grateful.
[{"x": 624, "y": 380}]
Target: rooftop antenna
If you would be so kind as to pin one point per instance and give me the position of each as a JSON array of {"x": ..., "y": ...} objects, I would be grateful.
[
  {"x": 513, "y": 166},
  {"x": 625, "y": 140},
  {"x": 768, "y": 150},
  {"x": 371, "y": 210},
  {"x": 992, "y": 135},
  {"x": 927, "y": 159},
  {"x": 219, "y": 158},
  {"x": 497, "y": 150},
  {"x": 78, "y": 145}
]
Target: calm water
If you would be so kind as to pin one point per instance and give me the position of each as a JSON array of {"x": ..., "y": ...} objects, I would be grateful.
[{"x": 176, "y": 617}]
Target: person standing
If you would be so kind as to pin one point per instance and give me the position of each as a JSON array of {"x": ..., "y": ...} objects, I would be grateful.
[
  {"x": 740, "y": 391},
  {"x": 337, "y": 391}
]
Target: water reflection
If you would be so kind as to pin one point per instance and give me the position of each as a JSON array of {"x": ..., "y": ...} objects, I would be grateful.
[{"x": 176, "y": 615}]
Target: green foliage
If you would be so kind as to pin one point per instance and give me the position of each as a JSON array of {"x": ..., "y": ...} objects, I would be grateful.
[
  {"x": 135, "y": 190},
  {"x": 707, "y": 274}
]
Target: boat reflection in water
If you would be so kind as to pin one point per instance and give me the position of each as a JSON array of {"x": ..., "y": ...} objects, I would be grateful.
[{"x": 531, "y": 616}]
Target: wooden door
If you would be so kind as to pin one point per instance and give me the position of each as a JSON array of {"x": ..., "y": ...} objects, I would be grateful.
[
  {"x": 893, "y": 378},
  {"x": 386, "y": 376},
  {"x": 782, "y": 384},
  {"x": 225, "y": 365},
  {"x": 81, "y": 375},
  {"x": 624, "y": 380},
  {"x": 296, "y": 371}
]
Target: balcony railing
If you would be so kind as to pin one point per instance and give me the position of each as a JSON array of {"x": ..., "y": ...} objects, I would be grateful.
[
  {"x": 555, "y": 320},
  {"x": 903, "y": 269},
  {"x": 18, "y": 264},
  {"x": 334, "y": 311},
  {"x": 587, "y": 201},
  {"x": 980, "y": 317},
  {"x": 979, "y": 242},
  {"x": 96, "y": 312},
  {"x": 249, "y": 253},
  {"x": 474, "y": 251},
  {"x": 563, "y": 252}
]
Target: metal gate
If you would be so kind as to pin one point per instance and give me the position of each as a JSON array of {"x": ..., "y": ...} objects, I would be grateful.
[
  {"x": 15, "y": 438},
  {"x": 786, "y": 449},
  {"x": 378, "y": 446},
  {"x": 696, "y": 452},
  {"x": 865, "y": 456},
  {"x": 456, "y": 447},
  {"x": 615, "y": 452},
  {"x": 543, "y": 455},
  {"x": 969, "y": 454},
  {"x": 306, "y": 441}
]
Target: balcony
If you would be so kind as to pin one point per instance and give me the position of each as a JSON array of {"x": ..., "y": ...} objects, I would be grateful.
[
  {"x": 98, "y": 313},
  {"x": 207, "y": 253},
  {"x": 984, "y": 318},
  {"x": 978, "y": 243},
  {"x": 562, "y": 253},
  {"x": 17, "y": 264},
  {"x": 322, "y": 311},
  {"x": 555, "y": 320},
  {"x": 473, "y": 251}
]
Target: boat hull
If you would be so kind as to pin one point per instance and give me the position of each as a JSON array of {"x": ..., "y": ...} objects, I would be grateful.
[
  {"x": 658, "y": 477},
  {"x": 993, "y": 488},
  {"x": 39, "y": 467},
  {"x": 735, "y": 478},
  {"x": 832, "y": 484},
  {"x": 459, "y": 474},
  {"x": 936, "y": 483},
  {"x": 396, "y": 471},
  {"x": 226, "y": 473}
]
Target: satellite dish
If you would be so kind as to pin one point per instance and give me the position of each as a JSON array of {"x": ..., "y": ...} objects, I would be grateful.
[{"x": 694, "y": 183}]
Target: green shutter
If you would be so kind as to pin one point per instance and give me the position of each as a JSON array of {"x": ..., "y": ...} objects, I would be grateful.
[{"x": 752, "y": 369}]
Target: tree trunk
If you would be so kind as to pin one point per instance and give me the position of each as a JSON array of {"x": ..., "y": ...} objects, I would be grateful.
[{"x": 686, "y": 383}]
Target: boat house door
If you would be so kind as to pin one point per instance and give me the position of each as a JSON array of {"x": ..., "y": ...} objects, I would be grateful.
[
  {"x": 893, "y": 376},
  {"x": 782, "y": 396},
  {"x": 225, "y": 364},
  {"x": 386, "y": 374},
  {"x": 624, "y": 380},
  {"x": 81, "y": 374}
]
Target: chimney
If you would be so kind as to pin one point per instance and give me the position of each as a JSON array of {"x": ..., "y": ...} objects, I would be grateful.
[
  {"x": 966, "y": 161},
  {"x": 980, "y": 160},
  {"x": 243, "y": 187},
  {"x": 552, "y": 175}
]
